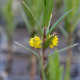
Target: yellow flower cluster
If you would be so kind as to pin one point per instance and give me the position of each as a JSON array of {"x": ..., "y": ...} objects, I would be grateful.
[
  {"x": 35, "y": 42},
  {"x": 54, "y": 42}
]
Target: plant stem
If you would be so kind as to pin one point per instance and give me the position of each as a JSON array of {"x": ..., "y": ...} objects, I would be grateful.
[
  {"x": 43, "y": 55},
  {"x": 10, "y": 56},
  {"x": 33, "y": 70},
  {"x": 69, "y": 52},
  {"x": 44, "y": 39}
]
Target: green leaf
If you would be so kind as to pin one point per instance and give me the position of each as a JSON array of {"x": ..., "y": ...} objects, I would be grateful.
[
  {"x": 47, "y": 12},
  {"x": 9, "y": 18},
  {"x": 61, "y": 73},
  {"x": 52, "y": 75},
  {"x": 69, "y": 4},
  {"x": 47, "y": 42},
  {"x": 39, "y": 28},
  {"x": 64, "y": 49},
  {"x": 53, "y": 70},
  {"x": 48, "y": 25},
  {"x": 57, "y": 65},
  {"x": 76, "y": 19},
  {"x": 67, "y": 73},
  {"x": 57, "y": 22},
  {"x": 25, "y": 19},
  {"x": 44, "y": 2},
  {"x": 27, "y": 49}
]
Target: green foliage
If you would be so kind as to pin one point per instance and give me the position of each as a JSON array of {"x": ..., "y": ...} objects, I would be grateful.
[
  {"x": 48, "y": 41},
  {"x": 48, "y": 5},
  {"x": 67, "y": 72},
  {"x": 47, "y": 12},
  {"x": 25, "y": 19},
  {"x": 64, "y": 49},
  {"x": 32, "y": 11},
  {"x": 72, "y": 19},
  {"x": 57, "y": 22},
  {"x": 9, "y": 18},
  {"x": 27, "y": 48},
  {"x": 54, "y": 70}
]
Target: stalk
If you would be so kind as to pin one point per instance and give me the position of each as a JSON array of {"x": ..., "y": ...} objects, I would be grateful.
[
  {"x": 69, "y": 53},
  {"x": 44, "y": 39},
  {"x": 33, "y": 70},
  {"x": 10, "y": 56},
  {"x": 43, "y": 55}
]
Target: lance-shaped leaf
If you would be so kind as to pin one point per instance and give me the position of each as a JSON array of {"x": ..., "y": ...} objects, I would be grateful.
[
  {"x": 53, "y": 70},
  {"x": 57, "y": 22},
  {"x": 48, "y": 41},
  {"x": 64, "y": 49},
  {"x": 39, "y": 28},
  {"x": 47, "y": 12},
  {"x": 27, "y": 49}
]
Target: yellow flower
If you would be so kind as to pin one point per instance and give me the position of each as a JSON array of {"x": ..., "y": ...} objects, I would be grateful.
[
  {"x": 35, "y": 42},
  {"x": 54, "y": 42}
]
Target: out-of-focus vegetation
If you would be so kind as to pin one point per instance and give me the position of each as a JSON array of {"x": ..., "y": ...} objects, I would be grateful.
[
  {"x": 32, "y": 9},
  {"x": 55, "y": 71},
  {"x": 10, "y": 25},
  {"x": 46, "y": 41},
  {"x": 71, "y": 22},
  {"x": 37, "y": 16}
]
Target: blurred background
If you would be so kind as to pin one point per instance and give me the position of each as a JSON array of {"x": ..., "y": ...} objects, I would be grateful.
[{"x": 17, "y": 24}]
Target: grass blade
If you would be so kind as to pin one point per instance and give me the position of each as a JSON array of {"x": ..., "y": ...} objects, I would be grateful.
[
  {"x": 27, "y": 48},
  {"x": 57, "y": 22}
]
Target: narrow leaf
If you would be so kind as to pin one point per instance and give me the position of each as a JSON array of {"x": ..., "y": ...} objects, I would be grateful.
[
  {"x": 27, "y": 48},
  {"x": 25, "y": 19},
  {"x": 52, "y": 75},
  {"x": 67, "y": 48},
  {"x": 47, "y": 42},
  {"x": 57, "y": 22},
  {"x": 64, "y": 49},
  {"x": 47, "y": 12},
  {"x": 33, "y": 17},
  {"x": 49, "y": 25},
  {"x": 61, "y": 73}
]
